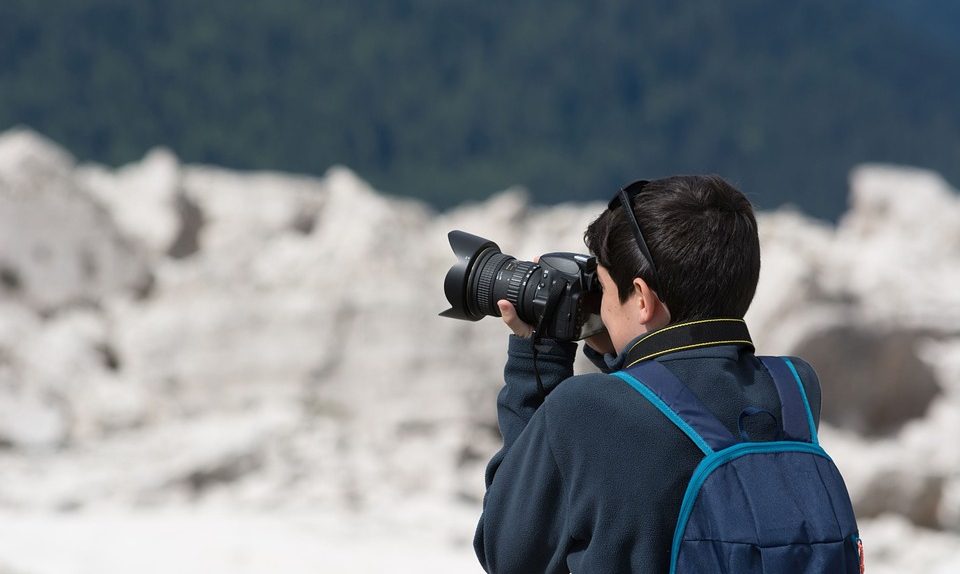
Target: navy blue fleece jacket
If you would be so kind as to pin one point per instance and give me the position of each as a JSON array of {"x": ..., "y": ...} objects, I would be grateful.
[{"x": 590, "y": 480}]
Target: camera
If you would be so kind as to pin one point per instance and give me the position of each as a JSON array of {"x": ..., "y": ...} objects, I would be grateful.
[{"x": 559, "y": 295}]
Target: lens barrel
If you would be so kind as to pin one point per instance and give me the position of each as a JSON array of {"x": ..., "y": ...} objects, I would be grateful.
[
  {"x": 500, "y": 276},
  {"x": 487, "y": 281},
  {"x": 511, "y": 284},
  {"x": 518, "y": 280}
]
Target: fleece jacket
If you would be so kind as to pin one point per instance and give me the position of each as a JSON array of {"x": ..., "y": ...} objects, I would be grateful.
[{"x": 590, "y": 479}]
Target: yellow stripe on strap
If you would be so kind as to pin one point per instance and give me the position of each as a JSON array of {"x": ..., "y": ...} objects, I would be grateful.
[
  {"x": 685, "y": 347},
  {"x": 665, "y": 329}
]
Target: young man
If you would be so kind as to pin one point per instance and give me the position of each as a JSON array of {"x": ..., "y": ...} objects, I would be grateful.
[{"x": 590, "y": 480}]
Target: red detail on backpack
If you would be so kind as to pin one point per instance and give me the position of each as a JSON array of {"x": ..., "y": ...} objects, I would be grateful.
[{"x": 860, "y": 552}]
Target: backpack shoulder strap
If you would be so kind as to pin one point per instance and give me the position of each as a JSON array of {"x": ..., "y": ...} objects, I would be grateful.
[
  {"x": 795, "y": 410},
  {"x": 679, "y": 404}
]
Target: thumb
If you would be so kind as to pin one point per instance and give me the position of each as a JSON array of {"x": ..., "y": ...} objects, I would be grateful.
[{"x": 510, "y": 317}]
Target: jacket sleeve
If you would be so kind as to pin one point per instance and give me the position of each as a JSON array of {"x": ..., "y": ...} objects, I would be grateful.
[
  {"x": 522, "y": 528},
  {"x": 601, "y": 361}
]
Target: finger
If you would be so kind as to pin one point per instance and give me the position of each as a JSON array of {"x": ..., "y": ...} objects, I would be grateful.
[
  {"x": 506, "y": 310},
  {"x": 509, "y": 315}
]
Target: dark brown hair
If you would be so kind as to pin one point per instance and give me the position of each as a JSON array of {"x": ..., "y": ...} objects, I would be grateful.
[{"x": 702, "y": 235}]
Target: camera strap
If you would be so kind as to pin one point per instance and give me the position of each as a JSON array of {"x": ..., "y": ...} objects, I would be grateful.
[
  {"x": 688, "y": 335},
  {"x": 553, "y": 297}
]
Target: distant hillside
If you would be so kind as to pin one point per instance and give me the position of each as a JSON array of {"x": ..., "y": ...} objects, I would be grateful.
[{"x": 449, "y": 101}]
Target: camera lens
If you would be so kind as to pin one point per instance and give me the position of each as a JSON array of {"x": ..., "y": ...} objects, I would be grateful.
[
  {"x": 498, "y": 276},
  {"x": 511, "y": 283},
  {"x": 559, "y": 294},
  {"x": 482, "y": 276},
  {"x": 485, "y": 282}
]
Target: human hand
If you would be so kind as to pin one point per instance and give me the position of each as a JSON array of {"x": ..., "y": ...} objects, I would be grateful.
[
  {"x": 509, "y": 315},
  {"x": 601, "y": 343}
]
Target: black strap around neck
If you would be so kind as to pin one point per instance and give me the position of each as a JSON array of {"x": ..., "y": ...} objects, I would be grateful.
[{"x": 689, "y": 335}]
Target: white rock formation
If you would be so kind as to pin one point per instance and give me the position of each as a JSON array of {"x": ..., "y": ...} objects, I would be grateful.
[
  {"x": 141, "y": 197},
  {"x": 180, "y": 339}
]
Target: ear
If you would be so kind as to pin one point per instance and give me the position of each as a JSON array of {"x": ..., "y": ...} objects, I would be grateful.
[{"x": 650, "y": 308}]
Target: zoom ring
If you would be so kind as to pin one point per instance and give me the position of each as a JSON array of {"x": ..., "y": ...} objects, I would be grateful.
[
  {"x": 485, "y": 282},
  {"x": 519, "y": 277}
]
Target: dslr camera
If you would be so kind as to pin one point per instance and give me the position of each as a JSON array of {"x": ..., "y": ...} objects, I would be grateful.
[{"x": 559, "y": 295}]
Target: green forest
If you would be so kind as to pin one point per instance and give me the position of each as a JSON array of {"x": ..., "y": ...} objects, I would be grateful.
[{"x": 451, "y": 101}]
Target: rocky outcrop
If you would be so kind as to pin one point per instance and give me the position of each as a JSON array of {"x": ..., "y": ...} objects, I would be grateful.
[
  {"x": 877, "y": 380},
  {"x": 179, "y": 335},
  {"x": 58, "y": 247}
]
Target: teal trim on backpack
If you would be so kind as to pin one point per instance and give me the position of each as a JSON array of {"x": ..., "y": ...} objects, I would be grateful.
[
  {"x": 716, "y": 459},
  {"x": 666, "y": 410},
  {"x": 806, "y": 404}
]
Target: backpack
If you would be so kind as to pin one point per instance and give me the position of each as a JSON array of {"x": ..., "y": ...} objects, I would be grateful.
[{"x": 778, "y": 507}]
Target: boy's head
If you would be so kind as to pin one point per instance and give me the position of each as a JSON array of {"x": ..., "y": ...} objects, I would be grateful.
[{"x": 702, "y": 236}]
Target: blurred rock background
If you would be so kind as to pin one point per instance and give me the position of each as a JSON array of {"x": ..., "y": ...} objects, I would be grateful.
[{"x": 210, "y": 370}]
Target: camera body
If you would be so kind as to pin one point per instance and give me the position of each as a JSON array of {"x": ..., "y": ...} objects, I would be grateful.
[{"x": 560, "y": 294}]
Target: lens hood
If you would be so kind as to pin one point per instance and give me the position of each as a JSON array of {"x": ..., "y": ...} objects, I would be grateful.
[{"x": 467, "y": 248}]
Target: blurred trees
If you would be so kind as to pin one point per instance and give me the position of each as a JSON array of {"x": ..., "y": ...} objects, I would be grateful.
[{"x": 452, "y": 100}]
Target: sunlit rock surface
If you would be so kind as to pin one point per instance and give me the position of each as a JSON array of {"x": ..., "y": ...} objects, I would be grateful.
[{"x": 188, "y": 353}]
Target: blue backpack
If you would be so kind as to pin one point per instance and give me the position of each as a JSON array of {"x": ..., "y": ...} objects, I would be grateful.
[{"x": 778, "y": 507}]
